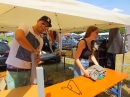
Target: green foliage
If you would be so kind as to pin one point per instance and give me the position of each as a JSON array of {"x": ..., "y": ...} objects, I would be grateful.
[
  {"x": 122, "y": 30},
  {"x": 103, "y": 31},
  {"x": 79, "y": 32},
  {"x": 6, "y": 38}
]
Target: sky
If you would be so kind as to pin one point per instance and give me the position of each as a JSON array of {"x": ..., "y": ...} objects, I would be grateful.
[{"x": 120, "y": 6}]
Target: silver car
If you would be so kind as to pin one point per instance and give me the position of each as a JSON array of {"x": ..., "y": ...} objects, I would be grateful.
[{"x": 69, "y": 44}]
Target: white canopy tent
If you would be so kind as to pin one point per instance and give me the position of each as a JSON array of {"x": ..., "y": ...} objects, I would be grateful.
[{"x": 66, "y": 15}]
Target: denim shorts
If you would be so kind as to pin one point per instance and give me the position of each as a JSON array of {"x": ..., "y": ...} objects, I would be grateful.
[{"x": 77, "y": 71}]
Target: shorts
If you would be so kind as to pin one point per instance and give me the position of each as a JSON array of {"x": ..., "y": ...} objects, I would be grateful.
[
  {"x": 77, "y": 71},
  {"x": 17, "y": 79}
]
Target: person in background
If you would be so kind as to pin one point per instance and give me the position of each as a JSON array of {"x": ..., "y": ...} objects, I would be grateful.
[
  {"x": 27, "y": 40},
  {"x": 51, "y": 40},
  {"x": 102, "y": 54},
  {"x": 55, "y": 40},
  {"x": 47, "y": 45},
  {"x": 84, "y": 51}
]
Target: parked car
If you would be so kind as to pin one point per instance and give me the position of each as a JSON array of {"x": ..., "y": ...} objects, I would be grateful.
[
  {"x": 101, "y": 37},
  {"x": 3, "y": 40},
  {"x": 99, "y": 40},
  {"x": 69, "y": 44},
  {"x": 9, "y": 34},
  {"x": 49, "y": 57},
  {"x": 4, "y": 52}
]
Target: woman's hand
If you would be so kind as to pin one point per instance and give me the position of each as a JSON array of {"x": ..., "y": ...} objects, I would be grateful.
[{"x": 86, "y": 73}]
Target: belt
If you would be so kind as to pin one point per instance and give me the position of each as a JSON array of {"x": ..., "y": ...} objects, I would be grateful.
[{"x": 18, "y": 69}]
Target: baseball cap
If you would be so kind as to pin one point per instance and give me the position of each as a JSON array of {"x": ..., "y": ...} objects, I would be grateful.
[{"x": 46, "y": 19}]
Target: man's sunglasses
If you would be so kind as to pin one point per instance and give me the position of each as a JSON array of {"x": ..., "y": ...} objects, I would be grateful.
[{"x": 45, "y": 26}]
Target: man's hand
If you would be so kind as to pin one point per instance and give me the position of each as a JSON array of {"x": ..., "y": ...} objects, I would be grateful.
[
  {"x": 35, "y": 52},
  {"x": 31, "y": 81},
  {"x": 38, "y": 58}
]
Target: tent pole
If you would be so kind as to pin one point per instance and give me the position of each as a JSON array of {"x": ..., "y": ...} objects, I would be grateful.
[
  {"x": 122, "y": 69},
  {"x": 60, "y": 35},
  {"x": 60, "y": 41}
]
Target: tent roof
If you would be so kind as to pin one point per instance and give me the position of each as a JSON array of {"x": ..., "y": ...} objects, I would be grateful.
[{"x": 66, "y": 15}]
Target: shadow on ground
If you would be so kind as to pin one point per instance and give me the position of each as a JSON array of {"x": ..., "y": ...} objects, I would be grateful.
[{"x": 127, "y": 83}]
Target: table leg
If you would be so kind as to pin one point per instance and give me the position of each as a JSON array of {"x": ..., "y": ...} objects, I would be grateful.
[
  {"x": 119, "y": 89},
  {"x": 56, "y": 63},
  {"x": 64, "y": 62}
]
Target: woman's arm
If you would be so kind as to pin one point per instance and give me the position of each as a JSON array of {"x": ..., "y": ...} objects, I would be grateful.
[
  {"x": 81, "y": 46},
  {"x": 94, "y": 59}
]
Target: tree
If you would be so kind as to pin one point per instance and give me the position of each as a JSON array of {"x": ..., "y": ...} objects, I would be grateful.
[
  {"x": 122, "y": 30},
  {"x": 103, "y": 31},
  {"x": 78, "y": 32}
]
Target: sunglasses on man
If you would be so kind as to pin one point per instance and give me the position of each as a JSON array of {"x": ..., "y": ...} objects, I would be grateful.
[{"x": 43, "y": 25}]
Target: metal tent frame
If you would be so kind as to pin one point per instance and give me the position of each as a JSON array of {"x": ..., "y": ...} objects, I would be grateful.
[{"x": 123, "y": 64}]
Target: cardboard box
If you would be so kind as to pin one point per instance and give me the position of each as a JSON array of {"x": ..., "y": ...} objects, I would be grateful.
[
  {"x": 2, "y": 84},
  {"x": 2, "y": 81}
]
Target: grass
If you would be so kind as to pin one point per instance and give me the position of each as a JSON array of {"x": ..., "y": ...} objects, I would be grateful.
[
  {"x": 56, "y": 72},
  {"x": 6, "y": 38}
]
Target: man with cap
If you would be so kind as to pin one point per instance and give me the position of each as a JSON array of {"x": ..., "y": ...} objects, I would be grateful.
[{"x": 27, "y": 40}]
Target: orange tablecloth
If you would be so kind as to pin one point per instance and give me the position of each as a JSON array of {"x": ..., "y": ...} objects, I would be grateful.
[{"x": 86, "y": 86}]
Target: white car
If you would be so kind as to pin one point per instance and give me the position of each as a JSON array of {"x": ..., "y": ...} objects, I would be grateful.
[{"x": 9, "y": 34}]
